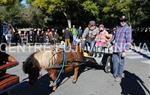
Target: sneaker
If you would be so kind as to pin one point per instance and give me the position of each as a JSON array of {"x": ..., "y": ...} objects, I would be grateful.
[
  {"x": 123, "y": 75},
  {"x": 100, "y": 55},
  {"x": 118, "y": 79}
]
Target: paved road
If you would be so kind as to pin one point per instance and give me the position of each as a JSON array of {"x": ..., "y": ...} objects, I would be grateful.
[{"x": 91, "y": 81}]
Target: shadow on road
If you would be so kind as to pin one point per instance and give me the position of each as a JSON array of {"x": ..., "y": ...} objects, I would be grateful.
[
  {"x": 40, "y": 88},
  {"x": 132, "y": 85}
]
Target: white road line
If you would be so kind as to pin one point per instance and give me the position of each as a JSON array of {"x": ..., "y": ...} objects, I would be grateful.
[
  {"x": 146, "y": 61},
  {"x": 135, "y": 57}
]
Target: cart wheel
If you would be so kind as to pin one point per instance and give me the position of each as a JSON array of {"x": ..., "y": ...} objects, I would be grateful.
[{"x": 107, "y": 68}]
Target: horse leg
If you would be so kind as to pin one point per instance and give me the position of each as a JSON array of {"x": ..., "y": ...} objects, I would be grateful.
[
  {"x": 53, "y": 74},
  {"x": 75, "y": 75}
]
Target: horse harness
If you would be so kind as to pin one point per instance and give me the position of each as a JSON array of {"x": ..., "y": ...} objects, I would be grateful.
[{"x": 57, "y": 59}]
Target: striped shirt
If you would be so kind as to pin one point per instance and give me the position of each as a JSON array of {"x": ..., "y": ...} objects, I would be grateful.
[{"x": 122, "y": 39}]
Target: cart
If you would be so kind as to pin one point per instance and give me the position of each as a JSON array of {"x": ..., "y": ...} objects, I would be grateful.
[
  {"x": 8, "y": 81},
  {"x": 105, "y": 59}
]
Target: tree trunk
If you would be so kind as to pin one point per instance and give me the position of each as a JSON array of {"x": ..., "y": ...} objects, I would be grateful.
[{"x": 68, "y": 19}]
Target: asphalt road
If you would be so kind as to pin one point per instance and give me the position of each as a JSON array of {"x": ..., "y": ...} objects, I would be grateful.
[{"x": 91, "y": 81}]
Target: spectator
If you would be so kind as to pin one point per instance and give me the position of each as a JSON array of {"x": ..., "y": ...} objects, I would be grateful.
[
  {"x": 74, "y": 33},
  {"x": 46, "y": 39},
  {"x": 3, "y": 40},
  {"x": 50, "y": 35},
  {"x": 5, "y": 28},
  {"x": 56, "y": 37},
  {"x": 67, "y": 36},
  {"x": 9, "y": 34},
  {"x": 16, "y": 38},
  {"x": 80, "y": 32}
]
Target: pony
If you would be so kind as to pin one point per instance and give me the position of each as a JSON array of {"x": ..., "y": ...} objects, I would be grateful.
[{"x": 51, "y": 60}]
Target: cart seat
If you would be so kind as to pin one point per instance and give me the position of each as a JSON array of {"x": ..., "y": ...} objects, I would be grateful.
[{"x": 8, "y": 80}]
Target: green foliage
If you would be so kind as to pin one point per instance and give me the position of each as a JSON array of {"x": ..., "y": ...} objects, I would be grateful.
[
  {"x": 79, "y": 11},
  {"x": 114, "y": 6},
  {"x": 69, "y": 8},
  {"x": 7, "y": 2},
  {"x": 90, "y": 7},
  {"x": 10, "y": 13}
]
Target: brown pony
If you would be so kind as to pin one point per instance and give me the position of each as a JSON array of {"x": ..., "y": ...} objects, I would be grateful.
[{"x": 51, "y": 60}]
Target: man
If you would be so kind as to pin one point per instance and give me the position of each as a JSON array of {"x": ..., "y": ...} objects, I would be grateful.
[
  {"x": 5, "y": 28},
  {"x": 3, "y": 40},
  {"x": 74, "y": 34},
  {"x": 79, "y": 32},
  {"x": 56, "y": 37},
  {"x": 4, "y": 58},
  {"x": 67, "y": 35},
  {"x": 122, "y": 43},
  {"x": 89, "y": 36}
]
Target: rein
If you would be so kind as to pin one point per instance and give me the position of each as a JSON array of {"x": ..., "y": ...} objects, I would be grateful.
[
  {"x": 64, "y": 61},
  {"x": 64, "y": 64},
  {"x": 55, "y": 66}
]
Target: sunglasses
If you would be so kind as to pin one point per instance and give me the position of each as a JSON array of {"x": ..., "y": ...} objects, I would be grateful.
[{"x": 122, "y": 20}]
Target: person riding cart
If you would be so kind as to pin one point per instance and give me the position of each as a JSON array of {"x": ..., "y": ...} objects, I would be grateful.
[
  {"x": 102, "y": 39},
  {"x": 89, "y": 36}
]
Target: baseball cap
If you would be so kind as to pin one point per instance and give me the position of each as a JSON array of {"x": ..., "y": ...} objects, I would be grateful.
[{"x": 123, "y": 18}]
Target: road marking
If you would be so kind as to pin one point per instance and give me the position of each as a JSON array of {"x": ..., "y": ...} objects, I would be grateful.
[
  {"x": 135, "y": 57},
  {"x": 146, "y": 61}
]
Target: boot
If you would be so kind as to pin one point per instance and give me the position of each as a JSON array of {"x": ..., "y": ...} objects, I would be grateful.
[{"x": 100, "y": 55}]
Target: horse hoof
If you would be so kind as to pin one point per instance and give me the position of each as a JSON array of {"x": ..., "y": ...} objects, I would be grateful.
[{"x": 74, "y": 81}]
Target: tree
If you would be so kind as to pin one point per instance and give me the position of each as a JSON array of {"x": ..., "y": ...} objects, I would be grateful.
[
  {"x": 8, "y": 2},
  {"x": 139, "y": 13},
  {"x": 10, "y": 11},
  {"x": 114, "y": 8},
  {"x": 65, "y": 6}
]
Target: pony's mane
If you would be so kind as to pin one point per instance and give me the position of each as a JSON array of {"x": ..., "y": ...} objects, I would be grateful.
[{"x": 40, "y": 59}]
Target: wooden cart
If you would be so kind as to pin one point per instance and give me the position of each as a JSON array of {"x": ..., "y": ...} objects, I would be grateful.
[{"x": 8, "y": 81}]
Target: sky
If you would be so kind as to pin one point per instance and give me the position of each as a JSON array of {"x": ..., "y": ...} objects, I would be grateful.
[{"x": 24, "y": 2}]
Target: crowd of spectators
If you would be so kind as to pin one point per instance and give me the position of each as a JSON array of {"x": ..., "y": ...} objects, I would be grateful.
[{"x": 35, "y": 36}]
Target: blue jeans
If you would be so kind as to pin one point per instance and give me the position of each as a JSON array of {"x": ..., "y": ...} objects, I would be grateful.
[
  {"x": 74, "y": 39},
  {"x": 118, "y": 64},
  {"x": 92, "y": 43}
]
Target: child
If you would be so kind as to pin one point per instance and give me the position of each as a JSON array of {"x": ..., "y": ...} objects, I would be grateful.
[{"x": 101, "y": 38}]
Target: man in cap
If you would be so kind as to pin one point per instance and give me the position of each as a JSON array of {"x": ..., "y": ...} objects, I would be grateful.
[
  {"x": 122, "y": 43},
  {"x": 89, "y": 35}
]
